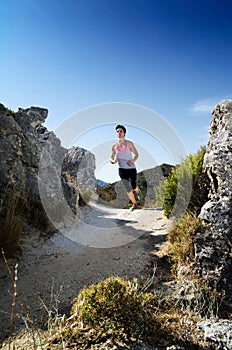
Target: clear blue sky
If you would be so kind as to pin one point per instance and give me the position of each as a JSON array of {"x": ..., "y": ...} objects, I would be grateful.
[{"x": 171, "y": 56}]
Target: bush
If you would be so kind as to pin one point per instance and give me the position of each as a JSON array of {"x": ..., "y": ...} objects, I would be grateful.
[
  {"x": 159, "y": 195},
  {"x": 185, "y": 188},
  {"x": 115, "y": 307},
  {"x": 170, "y": 192},
  {"x": 173, "y": 193},
  {"x": 114, "y": 311},
  {"x": 201, "y": 182}
]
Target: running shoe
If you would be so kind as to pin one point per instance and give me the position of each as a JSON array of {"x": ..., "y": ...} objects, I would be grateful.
[{"x": 134, "y": 206}]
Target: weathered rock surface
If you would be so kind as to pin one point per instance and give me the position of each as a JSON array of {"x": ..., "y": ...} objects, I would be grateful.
[
  {"x": 217, "y": 333},
  {"x": 79, "y": 164},
  {"x": 213, "y": 248},
  {"x": 29, "y": 153},
  {"x": 150, "y": 178}
]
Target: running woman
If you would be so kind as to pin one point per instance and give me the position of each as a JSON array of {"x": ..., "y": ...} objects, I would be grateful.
[{"x": 125, "y": 154}]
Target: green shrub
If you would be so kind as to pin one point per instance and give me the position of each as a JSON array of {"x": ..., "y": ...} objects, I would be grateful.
[
  {"x": 170, "y": 192},
  {"x": 114, "y": 307},
  {"x": 175, "y": 183},
  {"x": 201, "y": 182},
  {"x": 159, "y": 195},
  {"x": 185, "y": 188}
]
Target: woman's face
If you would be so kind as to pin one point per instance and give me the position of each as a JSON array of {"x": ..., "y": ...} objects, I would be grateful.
[{"x": 120, "y": 133}]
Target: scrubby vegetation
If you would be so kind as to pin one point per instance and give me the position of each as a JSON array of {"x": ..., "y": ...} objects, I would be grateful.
[
  {"x": 186, "y": 188},
  {"x": 11, "y": 224},
  {"x": 106, "y": 193},
  {"x": 113, "y": 309},
  {"x": 9, "y": 112},
  {"x": 196, "y": 295},
  {"x": 121, "y": 314},
  {"x": 181, "y": 240},
  {"x": 117, "y": 313}
]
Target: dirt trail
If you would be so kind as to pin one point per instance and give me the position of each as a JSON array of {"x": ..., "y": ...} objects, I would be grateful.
[{"x": 105, "y": 242}]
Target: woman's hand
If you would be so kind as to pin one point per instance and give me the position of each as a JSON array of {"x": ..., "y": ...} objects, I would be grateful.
[{"x": 130, "y": 162}]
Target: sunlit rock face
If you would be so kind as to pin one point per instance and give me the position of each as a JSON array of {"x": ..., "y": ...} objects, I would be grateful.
[
  {"x": 24, "y": 141},
  {"x": 214, "y": 248}
]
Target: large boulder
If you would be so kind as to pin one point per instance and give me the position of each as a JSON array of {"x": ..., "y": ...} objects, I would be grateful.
[
  {"x": 214, "y": 247},
  {"x": 19, "y": 156},
  {"x": 34, "y": 166},
  {"x": 78, "y": 170}
]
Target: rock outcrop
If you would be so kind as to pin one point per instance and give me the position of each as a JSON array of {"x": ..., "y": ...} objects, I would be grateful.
[
  {"x": 214, "y": 247},
  {"x": 149, "y": 179},
  {"x": 24, "y": 141},
  {"x": 78, "y": 173},
  {"x": 217, "y": 333}
]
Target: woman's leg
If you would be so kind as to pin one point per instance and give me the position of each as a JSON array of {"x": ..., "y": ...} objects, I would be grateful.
[
  {"x": 134, "y": 184},
  {"x": 132, "y": 198},
  {"x": 125, "y": 175}
]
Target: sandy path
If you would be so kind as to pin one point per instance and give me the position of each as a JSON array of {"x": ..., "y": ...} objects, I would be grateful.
[{"x": 105, "y": 242}]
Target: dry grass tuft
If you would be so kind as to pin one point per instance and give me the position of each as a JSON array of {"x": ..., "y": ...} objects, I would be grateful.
[
  {"x": 16, "y": 295},
  {"x": 181, "y": 240},
  {"x": 12, "y": 225},
  {"x": 118, "y": 313}
]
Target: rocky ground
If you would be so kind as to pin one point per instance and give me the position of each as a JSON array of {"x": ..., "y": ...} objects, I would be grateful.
[{"x": 105, "y": 242}]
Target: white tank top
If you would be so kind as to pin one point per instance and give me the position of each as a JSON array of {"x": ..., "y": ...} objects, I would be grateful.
[{"x": 123, "y": 156}]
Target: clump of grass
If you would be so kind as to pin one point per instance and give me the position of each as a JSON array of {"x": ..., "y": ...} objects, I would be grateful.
[
  {"x": 181, "y": 240},
  {"x": 11, "y": 224},
  {"x": 115, "y": 306},
  {"x": 86, "y": 195},
  {"x": 113, "y": 311},
  {"x": 54, "y": 319},
  {"x": 197, "y": 297}
]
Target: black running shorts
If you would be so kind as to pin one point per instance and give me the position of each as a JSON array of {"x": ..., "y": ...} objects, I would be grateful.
[{"x": 129, "y": 177}]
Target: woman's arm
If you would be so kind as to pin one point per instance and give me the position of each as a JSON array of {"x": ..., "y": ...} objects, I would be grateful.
[
  {"x": 134, "y": 151},
  {"x": 113, "y": 160}
]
